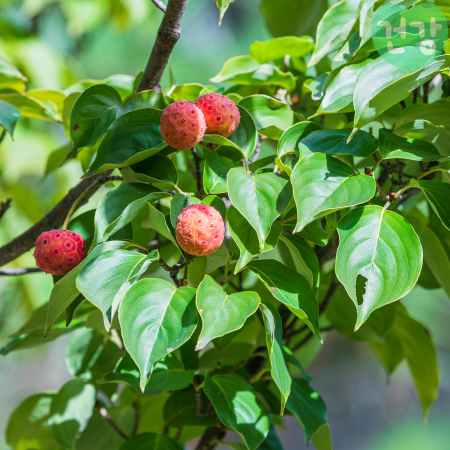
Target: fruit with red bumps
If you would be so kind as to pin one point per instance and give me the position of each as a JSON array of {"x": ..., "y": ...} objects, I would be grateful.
[
  {"x": 221, "y": 114},
  {"x": 182, "y": 125},
  {"x": 200, "y": 230},
  {"x": 57, "y": 252}
]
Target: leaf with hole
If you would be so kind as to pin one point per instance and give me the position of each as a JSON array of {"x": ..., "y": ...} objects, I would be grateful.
[
  {"x": 246, "y": 238},
  {"x": 92, "y": 114},
  {"x": 291, "y": 289},
  {"x": 274, "y": 341},
  {"x": 120, "y": 206},
  {"x": 381, "y": 247},
  {"x": 222, "y": 313},
  {"x": 106, "y": 279},
  {"x": 156, "y": 319},
  {"x": 324, "y": 184},
  {"x": 260, "y": 198},
  {"x": 235, "y": 403},
  {"x": 131, "y": 138}
]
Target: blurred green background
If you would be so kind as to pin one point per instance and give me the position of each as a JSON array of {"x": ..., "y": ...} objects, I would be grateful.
[{"x": 55, "y": 43}]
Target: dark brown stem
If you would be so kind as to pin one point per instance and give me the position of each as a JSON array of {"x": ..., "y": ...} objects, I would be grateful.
[
  {"x": 2, "y": 136},
  {"x": 107, "y": 417},
  {"x": 19, "y": 271},
  {"x": 168, "y": 34},
  {"x": 136, "y": 418},
  {"x": 198, "y": 172},
  {"x": 4, "y": 206},
  {"x": 52, "y": 220},
  {"x": 173, "y": 270},
  {"x": 210, "y": 437},
  {"x": 308, "y": 337},
  {"x": 426, "y": 91},
  {"x": 329, "y": 295},
  {"x": 160, "y": 5}
]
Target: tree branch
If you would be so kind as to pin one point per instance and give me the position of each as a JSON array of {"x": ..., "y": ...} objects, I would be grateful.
[
  {"x": 4, "y": 206},
  {"x": 160, "y": 5},
  {"x": 18, "y": 271},
  {"x": 52, "y": 220},
  {"x": 168, "y": 34}
]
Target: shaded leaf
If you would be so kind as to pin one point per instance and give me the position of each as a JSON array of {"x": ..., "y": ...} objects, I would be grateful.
[
  {"x": 235, "y": 404},
  {"x": 153, "y": 98},
  {"x": 381, "y": 247},
  {"x": 217, "y": 259},
  {"x": 222, "y": 313},
  {"x": 150, "y": 441},
  {"x": 215, "y": 173},
  {"x": 156, "y": 169},
  {"x": 289, "y": 141},
  {"x": 290, "y": 288},
  {"x": 246, "y": 238},
  {"x": 156, "y": 318},
  {"x": 9, "y": 115},
  {"x": 157, "y": 222}
]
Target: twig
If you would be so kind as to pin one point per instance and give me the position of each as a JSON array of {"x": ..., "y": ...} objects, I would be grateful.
[
  {"x": 52, "y": 220},
  {"x": 160, "y": 5},
  {"x": 107, "y": 417},
  {"x": 329, "y": 295},
  {"x": 136, "y": 418},
  {"x": 179, "y": 433},
  {"x": 4, "y": 206},
  {"x": 14, "y": 272},
  {"x": 198, "y": 172},
  {"x": 173, "y": 270},
  {"x": 2, "y": 136},
  {"x": 308, "y": 337},
  {"x": 426, "y": 91},
  {"x": 210, "y": 438},
  {"x": 168, "y": 34}
]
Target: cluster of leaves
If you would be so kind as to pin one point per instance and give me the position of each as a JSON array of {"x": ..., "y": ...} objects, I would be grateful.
[{"x": 222, "y": 352}]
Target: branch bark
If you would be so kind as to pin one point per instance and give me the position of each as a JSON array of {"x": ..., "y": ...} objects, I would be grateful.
[
  {"x": 168, "y": 34},
  {"x": 160, "y": 5},
  {"x": 52, "y": 220}
]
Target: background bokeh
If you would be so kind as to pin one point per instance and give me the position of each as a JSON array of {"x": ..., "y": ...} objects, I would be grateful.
[{"x": 55, "y": 43}]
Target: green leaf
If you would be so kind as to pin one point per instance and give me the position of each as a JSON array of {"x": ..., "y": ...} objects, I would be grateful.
[
  {"x": 222, "y": 313},
  {"x": 274, "y": 341},
  {"x": 323, "y": 184},
  {"x": 215, "y": 173},
  {"x": 179, "y": 410},
  {"x": 168, "y": 375},
  {"x": 246, "y": 238},
  {"x": 421, "y": 355},
  {"x": 389, "y": 351},
  {"x": 289, "y": 141},
  {"x": 381, "y": 85},
  {"x": 189, "y": 92},
  {"x": 154, "y": 98},
  {"x": 177, "y": 204},
  {"x": 308, "y": 407},
  {"x": 156, "y": 169},
  {"x": 334, "y": 29},
  {"x": 92, "y": 114},
  {"x": 106, "y": 279},
  {"x": 30, "y": 107},
  {"x": 65, "y": 291},
  {"x": 438, "y": 195},
  {"x": 272, "y": 441},
  {"x": 9, "y": 115},
  {"x": 396, "y": 147},
  {"x": 381, "y": 247},
  {"x": 157, "y": 221},
  {"x": 322, "y": 439},
  {"x": 260, "y": 198},
  {"x": 235, "y": 403},
  {"x": 90, "y": 354},
  {"x": 156, "y": 319},
  {"x": 278, "y": 48},
  {"x": 28, "y": 423},
  {"x": 243, "y": 139},
  {"x": 342, "y": 317},
  {"x": 435, "y": 113},
  {"x": 335, "y": 141},
  {"x": 131, "y": 138},
  {"x": 271, "y": 116},
  {"x": 217, "y": 259},
  {"x": 151, "y": 441},
  {"x": 120, "y": 206},
  {"x": 244, "y": 70},
  {"x": 223, "y": 6},
  {"x": 435, "y": 256},
  {"x": 10, "y": 77},
  {"x": 290, "y": 288},
  {"x": 305, "y": 260},
  {"x": 71, "y": 410},
  {"x": 260, "y": 163},
  {"x": 339, "y": 93}
]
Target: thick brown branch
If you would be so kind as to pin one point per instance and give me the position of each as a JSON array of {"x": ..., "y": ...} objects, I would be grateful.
[
  {"x": 52, "y": 220},
  {"x": 168, "y": 34}
]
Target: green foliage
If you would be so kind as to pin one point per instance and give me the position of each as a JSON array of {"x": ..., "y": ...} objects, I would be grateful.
[{"x": 328, "y": 223}]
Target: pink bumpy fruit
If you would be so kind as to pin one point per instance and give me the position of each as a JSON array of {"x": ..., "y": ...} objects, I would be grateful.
[
  {"x": 200, "y": 230},
  {"x": 221, "y": 114},
  {"x": 182, "y": 125},
  {"x": 57, "y": 252}
]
